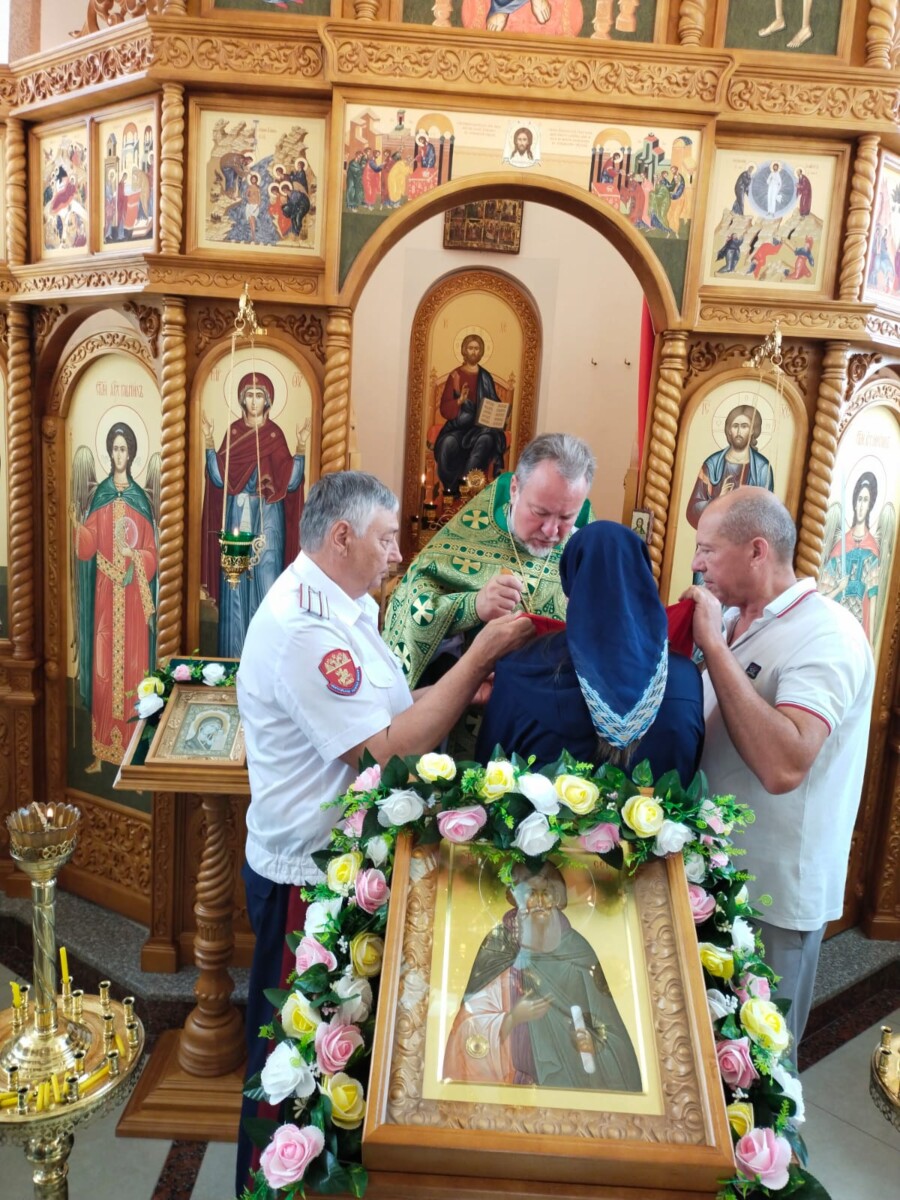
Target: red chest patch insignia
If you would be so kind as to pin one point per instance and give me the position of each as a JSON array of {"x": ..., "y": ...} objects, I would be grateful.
[{"x": 342, "y": 675}]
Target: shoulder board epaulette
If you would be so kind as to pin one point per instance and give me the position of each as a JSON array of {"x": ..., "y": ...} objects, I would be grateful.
[{"x": 313, "y": 601}]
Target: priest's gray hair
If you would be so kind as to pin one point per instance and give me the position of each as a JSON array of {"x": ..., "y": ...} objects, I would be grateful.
[
  {"x": 571, "y": 456},
  {"x": 351, "y": 496},
  {"x": 756, "y": 513}
]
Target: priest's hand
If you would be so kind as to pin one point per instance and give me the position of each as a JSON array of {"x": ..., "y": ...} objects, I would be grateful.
[{"x": 500, "y": 595}]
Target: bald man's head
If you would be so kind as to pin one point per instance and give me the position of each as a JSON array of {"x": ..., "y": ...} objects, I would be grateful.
[{"x": 755, "y": 512}]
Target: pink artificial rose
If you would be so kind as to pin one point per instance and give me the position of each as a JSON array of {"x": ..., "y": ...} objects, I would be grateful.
[
  {"x": 735, "y": 1064},
  {"x": 182, "y": 673},
  {"x": 703, "y": 905},
  {"x": 289, "y": 1153},
  {"x": 719, "y": 859},
  {"x": 762, "y": 1155},
  {"x": 371, "y": 890},
  {"x": 310, "y": 952},
  {"x": 353, "y": 825},
  {"x": 750, "y": 985},
  {"x": 715, "y": 822},
  {"x": 461, "y": 824},
  {"x": 602, "y": 838},
  {"x": 335, "y": 1045},
  {"x": 367, "y": 779}
]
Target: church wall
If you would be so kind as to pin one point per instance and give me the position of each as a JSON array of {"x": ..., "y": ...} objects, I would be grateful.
[{"x": 595, "y": 399}]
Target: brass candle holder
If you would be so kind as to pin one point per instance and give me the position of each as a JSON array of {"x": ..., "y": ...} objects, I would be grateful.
[
  {"x": 884, "y": 1076},
  {"x": 56, "y": 1074}
]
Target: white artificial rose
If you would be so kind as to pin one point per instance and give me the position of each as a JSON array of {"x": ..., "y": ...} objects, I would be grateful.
[
  {"x": 377, "y": 849},
  {"x": 720, "y": 1005},
  {"x": 694, "y": 867},
  {"x": 213, "y": 673},
  {"x": 317, "y": 916},
  {"x": 742, "y": 896},
  {"x": 148, "y": 705},
  {"x": 792, "y": 1088},
  {"x": 399, "y": 807},
  {"x": 742, "y": 937},
  {"x": 534, "y": 835},
  {"x": 286, "y": 1074},
  {"x": 356, "y": 999},
  {"x": 672, "y": 838},
  {"x": 541, "y": 792}
]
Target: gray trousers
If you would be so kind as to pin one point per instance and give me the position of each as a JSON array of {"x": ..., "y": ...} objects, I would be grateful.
[{"x": 793, "y": 954}]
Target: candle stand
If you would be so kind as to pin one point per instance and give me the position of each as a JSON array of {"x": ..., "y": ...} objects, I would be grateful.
[
  {"x": 67, "y": 1057},
  {"x": 884, "y": 1078}
]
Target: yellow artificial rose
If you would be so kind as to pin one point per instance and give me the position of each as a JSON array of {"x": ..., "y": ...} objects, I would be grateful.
[
  {"x": 740, "y": 1117},
  {"x": 717, "y": 961},
  {"x": 499, "y": 778},
  {"x": 432, "y": 767},
  {"x": 644, "y": 814},
  {"x": 341, "y": 872},
  {"x": 576, "y": 793},
  {"x": 764, "y": 1023},
  {"x": 298, "y": 1016},
  {"x": 348, "y": 1105},
  {"x": 150, "y": 686},
  {"x": 366, "y": 952}
]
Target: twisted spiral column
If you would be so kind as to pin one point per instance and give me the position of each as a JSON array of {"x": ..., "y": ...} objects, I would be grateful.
[
  {"x": 336, "y": 400},
  {"x": 16, "y": 194},
  {"x": 212, "y": 1041},
  {"x": 880, "y": 33},
  {"x": 859, "y": 218},
  {"x": 663, "y": 432},
  {"x": 173, "y": 396},
  {"x": 20, "y": 462},
  {"x": 171, "y": 169},
  {"x": 811, "y": 534},
  {"x": 691, "y": 22}
]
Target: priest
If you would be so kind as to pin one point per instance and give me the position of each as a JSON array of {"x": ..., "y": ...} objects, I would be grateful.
[{"x": 499, "y": 553}]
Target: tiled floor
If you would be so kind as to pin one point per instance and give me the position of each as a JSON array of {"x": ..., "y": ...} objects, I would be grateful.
[{"x": 853, "y": 1150}]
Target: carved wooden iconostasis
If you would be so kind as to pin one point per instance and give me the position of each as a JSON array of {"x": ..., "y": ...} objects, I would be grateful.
[{"x": 178, "y": 150}]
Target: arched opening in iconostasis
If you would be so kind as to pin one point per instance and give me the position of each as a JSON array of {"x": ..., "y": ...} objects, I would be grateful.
[{"x": 567, "y": 286}]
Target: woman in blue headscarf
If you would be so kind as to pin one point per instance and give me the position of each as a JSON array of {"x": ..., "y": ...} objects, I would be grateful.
[{"x": 607, "y": 688}]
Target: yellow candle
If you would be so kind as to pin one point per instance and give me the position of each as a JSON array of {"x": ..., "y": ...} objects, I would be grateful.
[
  {"x": 64, "y": 962},
  {"x": 120, "y": 1046},
  {"x": 55, "y": 1085},
  {"x": 40, "y": 1097},
  {"x": 7, "y": 1100},
  {"x": 17, "y": 994},
  {"x": 95, "y": 1078}
]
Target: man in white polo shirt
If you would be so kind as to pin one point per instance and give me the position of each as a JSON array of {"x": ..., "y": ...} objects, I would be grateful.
[
  {"x": 787, "y": 700},
  {"x": 316, "y": 687}
]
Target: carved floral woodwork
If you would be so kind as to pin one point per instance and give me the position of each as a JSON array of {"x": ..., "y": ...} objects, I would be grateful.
[
  {"x": 103, "y": 13},
  {"x": 703, "y": 355},
  {"x": 336, "y": 397},
  {"x": 149, "y": 321},
  {"x": 305, "y": 328},
  {"x": 859, "y": 215},
  {"x": 811, "y": 532},
  {"x": 112, "y": 858},
  {"x": 837, "y": 320},
  {"x": 45, "y": 321},
  {"x": 663, "y": 434},
  {"x": 216, "y": 49},
  {"x": 846, "y": 97}
]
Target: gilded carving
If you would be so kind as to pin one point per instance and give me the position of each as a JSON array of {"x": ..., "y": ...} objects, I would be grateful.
[
  {"x": 104, "y": 64},
  {"x": 663, "y": 433},
  {"x": 704, "y": 355},
  {"x": 21, "y": 483},
  {"x": 603, "y": 71},
  {"x": 101, "y": 14},
  {"x": 336, "y": 399},
  {"x": 149, "y": 320},
  {"x": 114, "y": 845},
  {"x": 862, "y": 195},
  {"x": 16, "y": 194},
  {"x": 173, "y": 396},
  {"x": 86, "y": 280},
  {"x": 858, "y": 368},
  {"x": 306, "y": 328},
  {"x": 299, "y": 57},
  {"x": 842, "y": 100},
  {"x": 811, "y": 533},
  {"x": 821, "y": 320},
  {"x": 880, "y": 33},
  {"x": 45, "y": 321},
  {"x": 222, "y": 279},
  {"x": 171, "y": 169},
  {"x": 691, "y": 22}
]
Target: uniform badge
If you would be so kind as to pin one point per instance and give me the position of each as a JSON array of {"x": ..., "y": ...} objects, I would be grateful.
[
  {"x": 753, "y": 670},
  {"x": 342, "y": 675}
]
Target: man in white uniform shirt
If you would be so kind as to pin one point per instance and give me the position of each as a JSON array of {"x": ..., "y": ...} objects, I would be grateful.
[
  {"x": 316, "y": 687},
  {"x": 787, "y": 700}
]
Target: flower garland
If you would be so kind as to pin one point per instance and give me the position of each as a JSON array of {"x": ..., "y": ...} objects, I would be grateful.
[
  {"x": 324, "y": 1021},
  {"x": 155, "y": 689}
]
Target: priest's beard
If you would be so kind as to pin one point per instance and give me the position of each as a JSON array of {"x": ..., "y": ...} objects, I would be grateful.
[{"x": 533, "y": 550}]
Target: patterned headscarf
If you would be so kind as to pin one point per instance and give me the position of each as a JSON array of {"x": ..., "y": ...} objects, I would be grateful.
[{"x": 616, "y": 630}]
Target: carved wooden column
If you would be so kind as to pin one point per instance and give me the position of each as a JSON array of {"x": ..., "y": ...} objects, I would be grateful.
[
  {"x": 821, "y": 460},
  {"x": 16, "y": 195},
  {"x": 174, "y": 8},
  {"x": 171, "y": 168},
  {"x": 880, "y": 33},
  {"x": 174, "y": 481},
  {"x": 20, "y": 460},
  {"x": 859, "y": 218},
  {"x": 336, "y": 398},
  {"x": 602, "y": 22},
  {"x": 366, "y": 10},
  {"x": 663, "y": 432},
  {"x": 882, "y": 916},
  {"x": 691, "y": 22}
]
